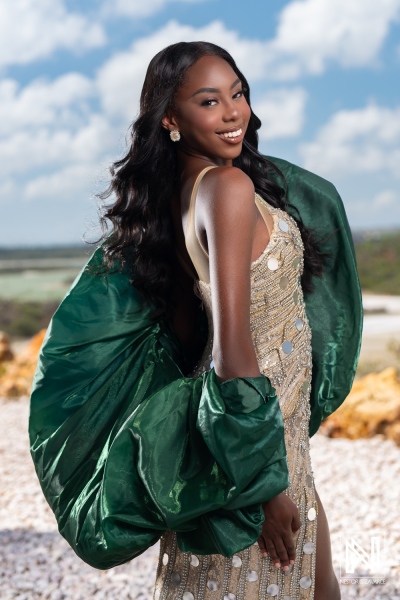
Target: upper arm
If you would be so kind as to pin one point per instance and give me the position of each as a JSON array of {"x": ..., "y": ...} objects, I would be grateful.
[{"x": 227, "y": 214}]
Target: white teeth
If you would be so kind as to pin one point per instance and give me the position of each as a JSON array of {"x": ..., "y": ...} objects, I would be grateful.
[{"x": 232, "y": 134}]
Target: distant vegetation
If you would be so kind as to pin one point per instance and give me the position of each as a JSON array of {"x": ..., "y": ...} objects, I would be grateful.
[
  {"x": 63, "y": 252},
  {"x": 24, "y": 319},
  {"x": 34, "y": 280},
  {"x": 378, "y": 260}
]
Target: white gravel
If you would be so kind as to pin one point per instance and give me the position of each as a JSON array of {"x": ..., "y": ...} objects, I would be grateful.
[{"x": 358, "y": 483}]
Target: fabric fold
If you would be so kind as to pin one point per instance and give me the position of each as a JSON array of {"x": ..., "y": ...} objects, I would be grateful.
[
  {"x": 125, "y": 447},
  {"x": 334, "y": 309}
]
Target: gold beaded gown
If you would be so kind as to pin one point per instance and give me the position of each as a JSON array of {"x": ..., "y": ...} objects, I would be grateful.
[{"x": 282, "y": 341}]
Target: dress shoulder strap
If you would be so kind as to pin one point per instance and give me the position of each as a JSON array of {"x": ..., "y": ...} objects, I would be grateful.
[{"x": 194, "y": 247}]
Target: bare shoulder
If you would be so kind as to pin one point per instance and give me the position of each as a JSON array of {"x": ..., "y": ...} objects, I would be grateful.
[
  {"x": 226, "y": 185},
  {"x": 230, "y": 178}
]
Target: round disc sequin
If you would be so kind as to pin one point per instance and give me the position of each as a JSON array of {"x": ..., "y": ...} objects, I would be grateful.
[
  {"x": 299, "y": 324},
  {"x": 273, "y": 589},
  {"x": 312, "y": 513},
  {"x": 304, "y": 387},
  {"x": 236, "y": 561},
  {"x": 194, "y": 561},
  {"x": 252, "y": 576},
  {"x": 188, "y": 596},
  {"x": 165, "y": 559},
  {"x": 308, "y": 548},
  {"x": 212, "y": 585},
  {"x": 296, "y": 262},
  {"x": 283, "y": 226},
  {"x": 229, "y": 596},
  {"x": 175, "y": 578},
  {"x": 296, "y": 297},
  {"x": 287, "y": 347},
  {"x": 272, "y": 263},
  {"x": 305, "y": 582},
  {"x": 283, "y": 282}
]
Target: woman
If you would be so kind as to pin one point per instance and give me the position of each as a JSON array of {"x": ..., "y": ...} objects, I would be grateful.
[{"x": 196, "y": 201}]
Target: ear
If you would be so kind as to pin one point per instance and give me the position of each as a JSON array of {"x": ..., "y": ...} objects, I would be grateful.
[{"x": 169, "y": 122}]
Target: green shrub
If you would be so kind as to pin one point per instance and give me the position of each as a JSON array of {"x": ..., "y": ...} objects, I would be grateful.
[
  {"x": 25, "y": 319},
  {"x": 378, "y": 263}
]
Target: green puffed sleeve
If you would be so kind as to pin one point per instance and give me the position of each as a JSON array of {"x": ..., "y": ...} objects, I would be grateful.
[
  {"x": 334, "y": 308},
  {"x": 125, "y": 447}
]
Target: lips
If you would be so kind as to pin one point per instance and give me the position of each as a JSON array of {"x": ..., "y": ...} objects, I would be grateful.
[{"x": 233, "y": 136}]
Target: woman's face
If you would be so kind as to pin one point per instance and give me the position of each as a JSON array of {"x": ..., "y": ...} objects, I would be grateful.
[{"x": 211, "y": 113}]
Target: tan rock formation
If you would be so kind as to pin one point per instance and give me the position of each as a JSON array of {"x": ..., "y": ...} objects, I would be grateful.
[
  {"x": 16, "y": 379},
  {"x": 5, "y": 348},
  {"x": 373, "y": 406}
]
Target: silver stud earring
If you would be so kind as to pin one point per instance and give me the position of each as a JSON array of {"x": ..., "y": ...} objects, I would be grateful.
[{"x": 175, "y": 135}]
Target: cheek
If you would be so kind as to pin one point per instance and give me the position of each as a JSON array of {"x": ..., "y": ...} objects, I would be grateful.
[
  {"x": 246, "y": 111},
  {"x": 206, "y": 122}
]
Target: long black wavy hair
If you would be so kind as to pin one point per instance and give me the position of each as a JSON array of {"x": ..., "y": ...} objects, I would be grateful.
[{"x": 143, "y": 181}]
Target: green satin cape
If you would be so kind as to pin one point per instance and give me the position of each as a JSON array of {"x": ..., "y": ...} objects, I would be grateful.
[{"x": 126, "y": 447}]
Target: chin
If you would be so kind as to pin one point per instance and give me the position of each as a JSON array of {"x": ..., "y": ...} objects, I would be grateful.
[{"x": 229, "y": 153}]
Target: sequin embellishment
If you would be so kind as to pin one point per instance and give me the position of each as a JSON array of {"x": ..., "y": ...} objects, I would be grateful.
[
  {"x": 282, "y": 341},
  {"x": 273, "y": 264},
  {"x": 283, "y": 226},
  {"x": 311, "y": 514}
]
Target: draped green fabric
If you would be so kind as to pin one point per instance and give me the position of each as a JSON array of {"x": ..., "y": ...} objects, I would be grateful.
[
  {"x": 126, "y": 447},
  {"x": 334, "y": 309}
]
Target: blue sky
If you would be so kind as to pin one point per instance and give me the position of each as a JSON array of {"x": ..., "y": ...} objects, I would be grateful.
[{"x": 324, "y": 77}]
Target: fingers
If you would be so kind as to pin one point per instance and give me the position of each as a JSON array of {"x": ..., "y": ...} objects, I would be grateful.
[
  {"x": 261, "y": 545},
  {"x": 279, "y": 554},
  {"x": 281, "y": 550},
  {"x": 296, "y": 523},
  {"x": 290, "y": 548}
]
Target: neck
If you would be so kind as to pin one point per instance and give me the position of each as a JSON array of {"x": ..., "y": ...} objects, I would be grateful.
[{"x": 188, "y": 159}]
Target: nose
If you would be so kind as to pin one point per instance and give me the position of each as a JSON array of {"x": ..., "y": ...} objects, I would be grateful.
[{"x": 231, "y": 112}]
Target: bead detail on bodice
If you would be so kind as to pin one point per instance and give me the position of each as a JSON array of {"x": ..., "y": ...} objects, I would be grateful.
[{"x": 282, "y": 341}]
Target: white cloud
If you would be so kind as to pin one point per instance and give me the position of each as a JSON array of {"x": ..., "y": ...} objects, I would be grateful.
[
  {"x": 311, "y": 33},
  {"x": 137, "y": 8},
  {"x": 48, "y": 148},
  {"x": 34, "y": 29},
  {"x": 281, "y": 112},
  {"x": 8, "y": 190},
  {"x": 54, "y": 141},
  {"x": 121, "y": 78},
  {"x": 61, "y": 102},
  {"x": 385, "y": 198},
  {"x": 71, "y": 181},
  {"x": 362, "y": 140}
]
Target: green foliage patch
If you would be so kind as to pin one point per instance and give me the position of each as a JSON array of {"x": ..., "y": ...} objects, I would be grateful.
[
  {"x": 24, "y": 319},
  {"x": 378, "y": 261}
]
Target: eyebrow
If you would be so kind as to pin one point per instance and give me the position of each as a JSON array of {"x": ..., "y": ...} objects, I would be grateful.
[{"x": 211, "y": 90}]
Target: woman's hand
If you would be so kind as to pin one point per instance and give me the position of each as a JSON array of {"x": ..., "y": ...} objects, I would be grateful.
[{"x": 282, "y": 521}]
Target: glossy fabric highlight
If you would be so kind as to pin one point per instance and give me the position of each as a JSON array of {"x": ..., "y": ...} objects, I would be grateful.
[
  {"x": 126, "y": 447},
  {"x": 334, "y": 309}
]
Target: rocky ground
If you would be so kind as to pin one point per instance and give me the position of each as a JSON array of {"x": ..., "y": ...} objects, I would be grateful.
[{"x": 358, "y": 482}]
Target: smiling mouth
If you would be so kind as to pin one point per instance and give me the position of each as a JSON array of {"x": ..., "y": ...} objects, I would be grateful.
[{"x": 232, "y": 136}]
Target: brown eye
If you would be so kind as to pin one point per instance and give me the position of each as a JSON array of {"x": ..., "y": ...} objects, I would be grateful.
[
  {"x": 238, "y": 94},
  {"x": 207, "y": 102}
]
